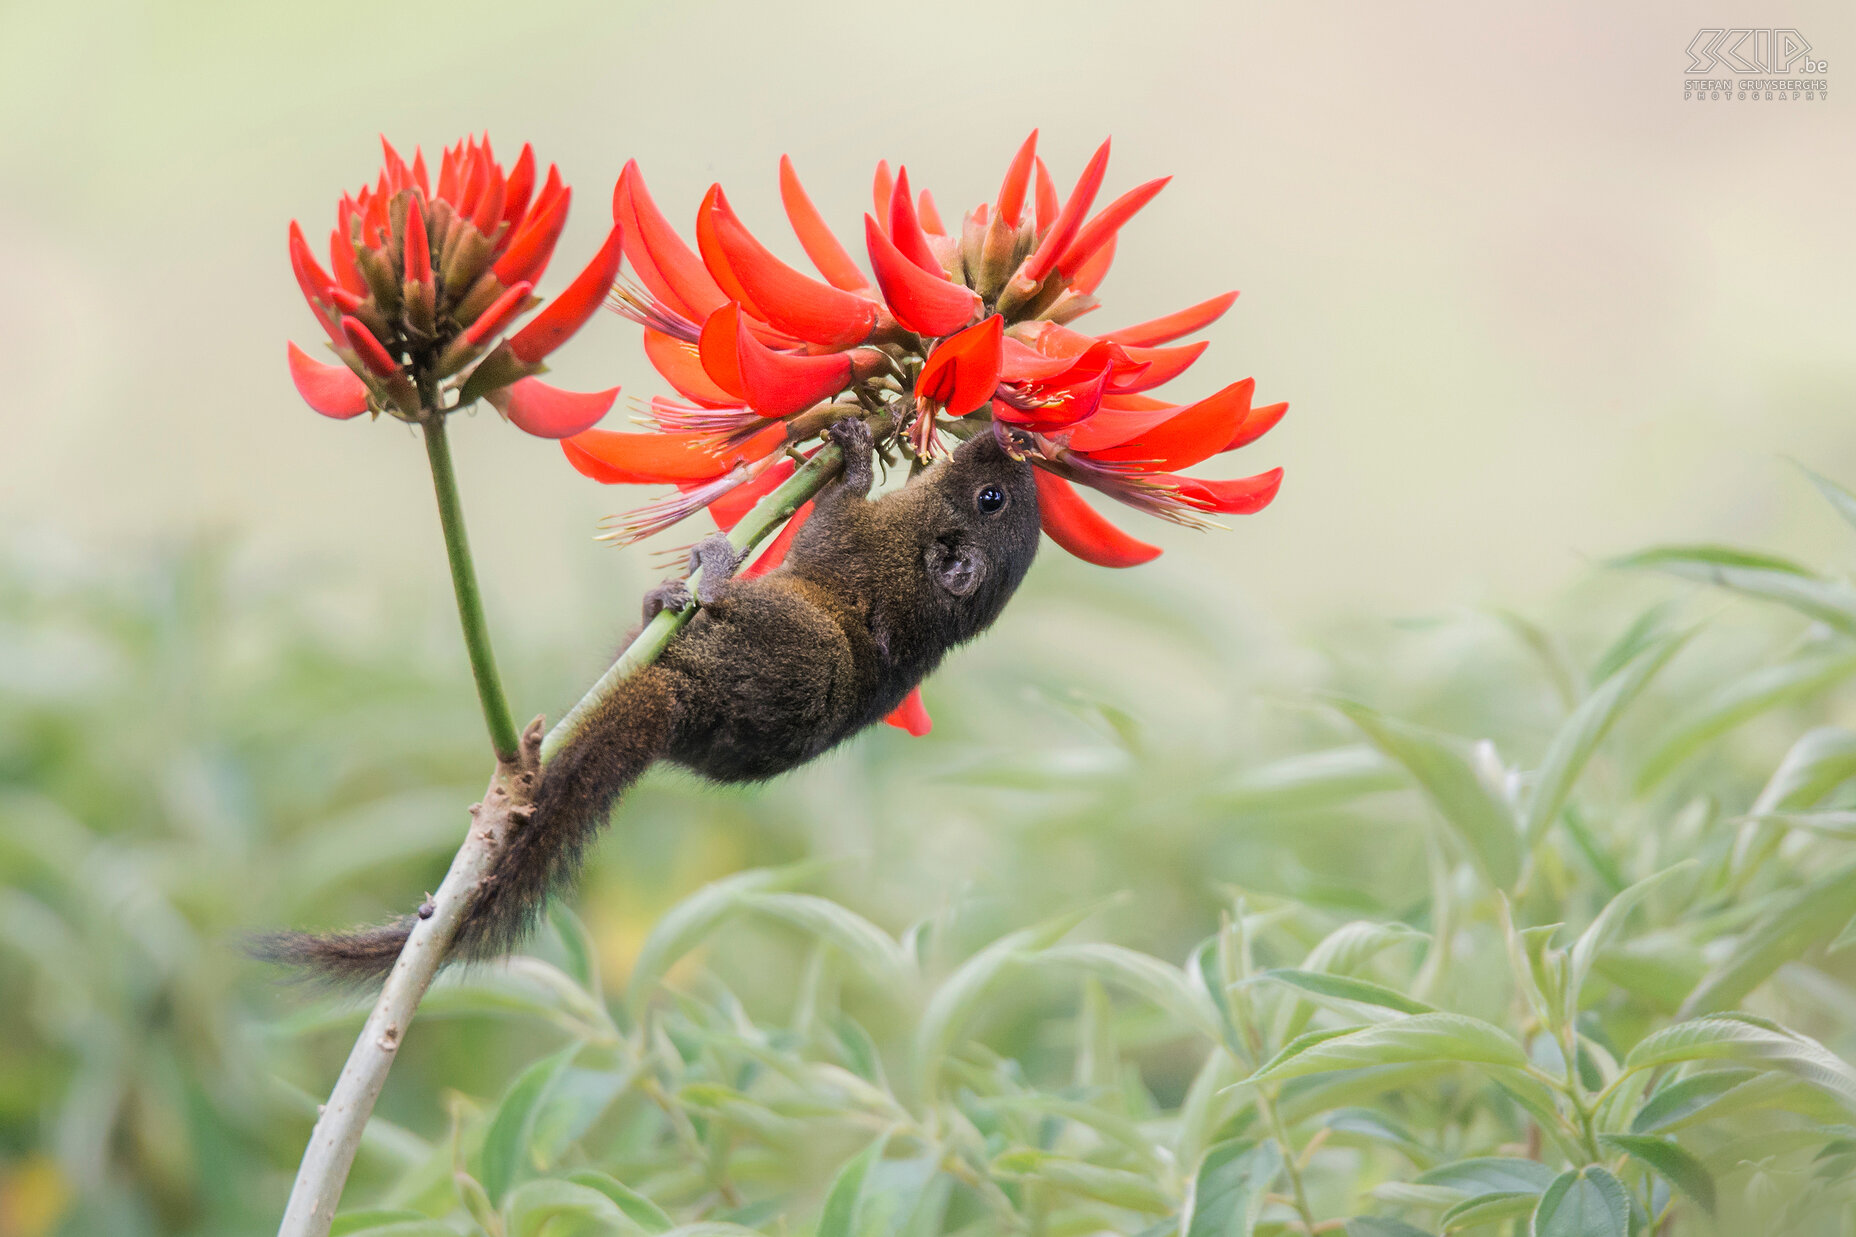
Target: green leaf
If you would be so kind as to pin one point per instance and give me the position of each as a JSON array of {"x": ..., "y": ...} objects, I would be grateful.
[
  {"x": 1745, "y": 698},
  {"x": 840, "y": 1214},
  {"x": 1489, "y": 1208},
  {"x": 1229, "y": 1189},
  {"x": 867, "y": 947},
  {"x": 1381, "y": 1226},
  {"x": 1800, "y": 919},
  {"x": 1816, "y": 764},
  {"x": 1491, "y": 1174},
  {"x": 1117, "y": 1187},
  {"x": 685, "y": 925},
  {"x": 1756, "y": 575},
  {"x": 1845, "y": 938},
  {"x": 1675, "y": 1104},
  {"x": 640, "y": 1210},
  {"x": 1341, "y": 952},
  {"x": 1422, "y": 1037},
  {"x": 1313, "y": 780},
  {"x": 534, "y": 1205},
  {"x": 577, "y": 944},
  {"x": 1579, "y": 736},
  {"x": 1602, "y": 928},
  {"x": 1836, "y": 495},
  {"x": 506, "y": 1142},
  {"x": 1748, "y": 1040},
  {"x": 1164, "y": 986},
  {"x": 1584, "y": 1202},
  {"x": 959, "y": 996},
  {"x": 1347, "y": 988},
  {"x": 1664, "y": 1156},
  {"x": 1443, "y": 767},
  {"x": 388, "y": 1222}
]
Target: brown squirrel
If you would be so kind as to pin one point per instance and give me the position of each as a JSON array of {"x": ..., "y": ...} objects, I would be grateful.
[{"x": 768, "y": 674}]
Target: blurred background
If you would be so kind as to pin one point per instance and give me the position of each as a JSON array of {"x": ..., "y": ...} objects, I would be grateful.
[{"x": 1530, "y": 309}]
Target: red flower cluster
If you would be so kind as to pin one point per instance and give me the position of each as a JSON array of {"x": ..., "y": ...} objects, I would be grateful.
[
  {"x": 955, "y": 329},
  {"x": 426, "y": 282}
]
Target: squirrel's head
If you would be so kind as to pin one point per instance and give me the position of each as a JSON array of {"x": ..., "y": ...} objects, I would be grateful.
[{"x": 987, "y": 531}]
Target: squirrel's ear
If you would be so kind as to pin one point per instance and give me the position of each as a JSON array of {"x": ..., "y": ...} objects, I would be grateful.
[{"x": 955, "y": 566}]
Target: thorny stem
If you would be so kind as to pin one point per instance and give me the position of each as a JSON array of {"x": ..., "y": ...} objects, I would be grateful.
[{"x": 496, "y": 716}]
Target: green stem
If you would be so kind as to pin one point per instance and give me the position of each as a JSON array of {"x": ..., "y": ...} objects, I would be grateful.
[
  {"x": 753, "y": 528},
  {"x": 496, "y": 717}
]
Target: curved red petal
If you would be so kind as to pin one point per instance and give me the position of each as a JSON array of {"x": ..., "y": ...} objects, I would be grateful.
[
  {"x": 1078, "y": 528},
  {"x": 568, "y": 312},
  {"x": 520, "y": 186},
  {"x": 930, "y": 217},
  {"x": 912, "y": 715},
  {"x": 1196, "y": 432},
  {"x": 831, "y": 258},
  {"x": 315, "y": 282},
  {"x": 680, "y": 364},
  {"x": 880, "y": 190},
  {"x": 587, "y": 465},
  {"x": 416, "y": 245},
  {"x": 674, "y": 457},
  {"x": 927, "y": 304},
  {"x": 534, "y": 407},
  {"x": 718, "y": 349},
  {"x": 775, "y": 553},
  {"x": 732, "y": 506},
  {"x": 1069, "y": 220},
  {"x": 715, "y": 258},
  {"x": 1158, "y": 366},
  {"x": 1101, "y": 230},
  {"x": 1019, "y": 362},
  {"x": 779, "y": 384},
  {"x": 1115, "y": 422},
  {"x": 372, "y": 354},
  {"x": 502, "y": 311},
  {"x": 1171, "y": 326},
  {"x": 1256, "y": 423},
  {"x": 528, "y": 254},
  {"x": 1089, "y": 275},
  {"x": 963, "y": 370},
  {"x": 791, "y": 302},
  {"x": 1241, "y": 496},
  {"x": 1011, "y": 202},
  {"x": 332, "y": 390},
  {"x": 906, "y": 230},
  {"x": 341, "y": 261},
  {"x": 1047, "y": 204},
  {"x": 667, "y": 265}
]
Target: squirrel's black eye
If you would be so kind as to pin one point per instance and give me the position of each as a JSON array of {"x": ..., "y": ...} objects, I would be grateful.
[{"x": 990, "y": 500}]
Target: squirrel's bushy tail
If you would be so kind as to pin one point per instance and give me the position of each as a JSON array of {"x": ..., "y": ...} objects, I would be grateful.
[{"x": 578, "y": 788}]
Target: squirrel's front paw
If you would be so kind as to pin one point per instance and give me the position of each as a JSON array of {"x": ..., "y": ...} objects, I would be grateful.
[
  {"x": 853, "y": 438},
  {"x": 671, "y": 595},
  {"x": 716, "y": 557}
]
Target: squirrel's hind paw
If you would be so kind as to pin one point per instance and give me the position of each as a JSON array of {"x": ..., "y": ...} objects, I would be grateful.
[
  {"x": 716, "y": 557},
  {"x": 671, "y": 595}
]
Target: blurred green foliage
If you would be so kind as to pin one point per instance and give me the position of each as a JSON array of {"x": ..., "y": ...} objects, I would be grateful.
[{"x": 1284, "y": 933}]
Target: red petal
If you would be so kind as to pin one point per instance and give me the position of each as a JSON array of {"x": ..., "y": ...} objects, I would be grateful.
[
  {"x": 1195, "y": 432},
  {"x": 820, "y": 245},
  {"x": 520, "y": 185},
  {"x": 927, "y": 304},
  {"x": 332, "y": 390},
  {"x": 1159, "y": 365},
  {"x": 681, "y": 367},
  {"x": 528, "y": 254},
  {"x": 489, "y": 212},
  {"x": 880, "y": 190},
  {"x": 310, "y": 277},
  {"x": 589, "y": 466},
  {"x": 963, "y": 369},
  {"x": 779, "y": 384},
  {"x": 448, "y": 176},
  {"x": 536, "y": 408},
  {"x": 775, "y": 553},
  {"x": 1172, "y": 326},
  {"x": 662, "y": 260},
  {"x": 1017, "y": 180},
  {"x": 1078, "y": 528},
  {"x": 906, "y": 230},
  {"x": 674, "y": 457},
  {"x": 715, "y": 258},
  {"x": 569, "y": 311},
  {"x": 1257, "y": 423},
  {"x": 1242, "y": 496},
  {"x": 718, "y": 349},
  {"x": 912, "y": 715},
  {"x": 1047, "y": 198},
  {"x": 502, "y": 311},
  {"x": 730, "y": 507},
  {"x": 1115, "y": 422},
  {"x": 792, "y": 302},
  {"x": 930, "y": 217},
  {"x": 1101, "y": 230},
  {"x": 341, "y": 261},
  {"x": 363, "y": 342},
  {"x": 417, "y": 246},
  {"x": 1022, "y": 363},
  {"x": 1069, "y": 220},
  {"x": 418, "y": 173},
  {"x": 1089, "y": 275}
]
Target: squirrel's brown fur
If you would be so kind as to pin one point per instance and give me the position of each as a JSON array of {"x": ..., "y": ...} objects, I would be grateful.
[{"x": 768, "y": 674}]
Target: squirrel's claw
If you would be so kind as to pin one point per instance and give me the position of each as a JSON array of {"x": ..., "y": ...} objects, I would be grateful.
[
  {"x": 716, "y": 557},
  {"x": 671, "y": 595},
  {"x": 853, "y": 438}
]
